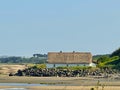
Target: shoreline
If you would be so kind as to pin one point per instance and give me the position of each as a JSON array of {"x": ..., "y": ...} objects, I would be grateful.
[
  {"x": 62, "y": 87},
  {"x": 59, "y": 83}
]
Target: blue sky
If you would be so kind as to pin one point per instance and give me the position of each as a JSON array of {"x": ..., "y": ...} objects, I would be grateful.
[{"x": 40, "y": 26}]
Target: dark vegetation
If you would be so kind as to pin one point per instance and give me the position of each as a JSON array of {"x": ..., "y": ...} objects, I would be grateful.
[
  {"x": 110, "y": 61},
  {"x": 36, "y": 58},
  {"x": 96, "y": 57}
]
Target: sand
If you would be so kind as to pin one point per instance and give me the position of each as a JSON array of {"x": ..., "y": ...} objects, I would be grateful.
[
  {"x": 73, "y": 88},
  {"x": 64, "y": 87},
  {"x": 6, "y": 69},
  {"x": 63, "y": 83}
]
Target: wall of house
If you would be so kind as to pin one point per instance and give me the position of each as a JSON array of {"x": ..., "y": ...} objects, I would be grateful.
[{"x": 58, "y": 65}]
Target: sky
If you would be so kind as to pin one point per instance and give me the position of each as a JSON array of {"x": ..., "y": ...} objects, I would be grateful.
[{"x": 42, "y": 26}]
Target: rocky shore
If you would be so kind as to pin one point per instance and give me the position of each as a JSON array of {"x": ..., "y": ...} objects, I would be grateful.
[{"x": 52, "y": 72}]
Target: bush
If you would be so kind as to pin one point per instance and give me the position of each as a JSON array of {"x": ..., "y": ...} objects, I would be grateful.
[
  {"x": 92, "y": 89},
  {"x": 39, "y": 66}
]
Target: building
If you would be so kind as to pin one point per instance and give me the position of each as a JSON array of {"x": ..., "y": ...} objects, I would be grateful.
[{"x": 56, "y": 59}]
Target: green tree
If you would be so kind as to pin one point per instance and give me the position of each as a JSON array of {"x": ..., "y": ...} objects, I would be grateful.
[
  {"x": 102, "y": 59},
  {"x": 116, "y": 53}
]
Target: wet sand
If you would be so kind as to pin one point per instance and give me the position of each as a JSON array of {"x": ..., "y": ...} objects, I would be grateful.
[
  {"x": 63, "y": 87},
  {"x": 73, "y": 88},
  {"x": 61, "y": 83}
]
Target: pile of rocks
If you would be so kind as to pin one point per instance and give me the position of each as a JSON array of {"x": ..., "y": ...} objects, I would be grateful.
[{"x": 65, "y": 72}]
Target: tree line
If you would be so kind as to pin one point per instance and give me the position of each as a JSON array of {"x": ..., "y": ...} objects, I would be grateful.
[
  {"x": 36, "y": 58},
  {"x": 111, "y": 61}
]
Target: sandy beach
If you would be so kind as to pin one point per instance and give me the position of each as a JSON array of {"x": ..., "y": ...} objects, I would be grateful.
[
  {"x": 63, "y": 87},
  {"x": 60, "y": 83},
  {"x": 73, "y": 88}
]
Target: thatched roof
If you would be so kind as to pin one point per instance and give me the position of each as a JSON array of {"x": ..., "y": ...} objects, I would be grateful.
[{"x": 69, "y": 57}]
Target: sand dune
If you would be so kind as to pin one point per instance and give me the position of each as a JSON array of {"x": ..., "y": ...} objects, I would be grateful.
[{"x": 6, "y": 69}]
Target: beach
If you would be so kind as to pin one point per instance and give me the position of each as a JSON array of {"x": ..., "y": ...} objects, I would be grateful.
[
  {"x": 59, "y": 83},
  {"x": 60, "y": 88}
]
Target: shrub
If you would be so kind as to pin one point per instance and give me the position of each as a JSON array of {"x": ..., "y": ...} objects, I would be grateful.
[{"x": 92, "y": 89}]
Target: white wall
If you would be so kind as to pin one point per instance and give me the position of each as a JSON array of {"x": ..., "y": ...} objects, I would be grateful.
[{"x": 58, "y": 65}]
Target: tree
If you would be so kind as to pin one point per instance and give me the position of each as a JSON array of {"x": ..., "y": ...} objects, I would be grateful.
[
  {"x": 102, "y": 59},
  {"x": 116, "y": 53}
]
